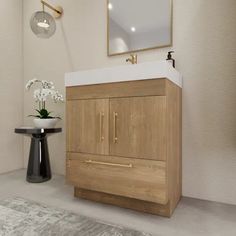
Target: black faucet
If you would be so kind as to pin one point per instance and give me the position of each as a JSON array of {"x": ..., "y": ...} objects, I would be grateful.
[{"x": 169, "y": 58}]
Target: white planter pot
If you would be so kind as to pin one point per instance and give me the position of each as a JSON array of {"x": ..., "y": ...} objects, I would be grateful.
[{"x": 45, "y": 123}]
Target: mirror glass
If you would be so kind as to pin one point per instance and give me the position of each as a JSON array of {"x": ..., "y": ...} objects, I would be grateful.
[{"x": 135, "y": 25}]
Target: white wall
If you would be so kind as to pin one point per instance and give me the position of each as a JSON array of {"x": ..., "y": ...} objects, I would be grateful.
[
  {"x": 204, "y": 41},
  {"x": 11, "y": 83}
]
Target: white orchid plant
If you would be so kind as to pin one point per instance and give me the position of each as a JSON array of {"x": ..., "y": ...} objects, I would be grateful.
[{"x": 41, "y": 95}]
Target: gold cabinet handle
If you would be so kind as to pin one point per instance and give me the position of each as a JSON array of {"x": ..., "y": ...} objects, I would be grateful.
[
  {"x": 101, "y": 126},
  {"x": 115, "y": 138},
  {"x": 108, "y": 164}
]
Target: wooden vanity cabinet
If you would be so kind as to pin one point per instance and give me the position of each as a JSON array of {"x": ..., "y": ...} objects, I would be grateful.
[{"x": 124, "y": 144}]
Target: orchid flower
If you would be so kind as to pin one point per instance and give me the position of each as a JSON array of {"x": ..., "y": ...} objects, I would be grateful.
[{"x": 46, "y": 91}]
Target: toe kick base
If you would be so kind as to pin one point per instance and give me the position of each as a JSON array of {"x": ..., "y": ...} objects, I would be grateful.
[{"x": 130, "y": 203}]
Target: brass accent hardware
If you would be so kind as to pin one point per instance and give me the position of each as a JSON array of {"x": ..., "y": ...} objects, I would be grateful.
[
  {"x": 101, "y": 126},
  {"x": 133, "y": 59},
  {"x": 115, "y": 138},
  {"x": 57, "y": 10},
  {"x": 108, "y": 164}
]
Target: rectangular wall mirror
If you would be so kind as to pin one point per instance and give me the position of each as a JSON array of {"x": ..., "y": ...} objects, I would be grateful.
[{"x": 138, "y": 25}]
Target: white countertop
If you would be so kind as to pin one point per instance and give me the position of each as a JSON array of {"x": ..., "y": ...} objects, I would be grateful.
[{"x": 142, "y": 71}]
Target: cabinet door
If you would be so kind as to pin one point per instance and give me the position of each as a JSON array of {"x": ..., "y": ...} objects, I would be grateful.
[
  {"x": 138, "y": 127},
  {"x": 87, "y": 126}
]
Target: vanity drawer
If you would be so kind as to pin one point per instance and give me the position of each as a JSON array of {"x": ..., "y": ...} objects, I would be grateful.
[{"x": 129, "y": 177}]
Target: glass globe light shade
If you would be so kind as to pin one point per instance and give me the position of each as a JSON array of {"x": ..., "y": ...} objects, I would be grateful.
[{"x": 42, "y": 24}]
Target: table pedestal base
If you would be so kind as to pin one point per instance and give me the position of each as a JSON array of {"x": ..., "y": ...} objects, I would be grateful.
[{"x": 39, "y": 169}]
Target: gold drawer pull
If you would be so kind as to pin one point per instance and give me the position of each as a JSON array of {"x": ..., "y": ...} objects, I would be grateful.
[
  {"x": 115, "y": 138},
  {"x": 101, "y": 126},
  {"x": 108, "y": 164}
]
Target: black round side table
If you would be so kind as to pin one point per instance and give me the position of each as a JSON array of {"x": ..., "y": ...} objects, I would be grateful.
[{"x": 39, "y": 169}]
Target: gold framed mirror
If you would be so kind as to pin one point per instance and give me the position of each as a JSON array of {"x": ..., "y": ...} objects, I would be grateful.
[{"x": 138, "y": 25}]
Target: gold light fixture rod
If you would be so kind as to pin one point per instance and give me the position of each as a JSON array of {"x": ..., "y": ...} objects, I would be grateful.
[{"x": 57, "y": 10}]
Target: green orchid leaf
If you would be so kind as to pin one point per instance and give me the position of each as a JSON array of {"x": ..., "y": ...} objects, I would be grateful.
[
  {"x": 34, "y": 116},
  {"x": 44, "y": 114}
]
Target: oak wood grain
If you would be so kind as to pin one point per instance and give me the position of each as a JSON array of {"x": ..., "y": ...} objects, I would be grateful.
[
  {"x": 149, "y": 87},
  {"x": 145, "y": 180},
  {"x": 121, "y": 201},
  {"x": 174, "y": 143},
  {"x": 147, "y": 126},
  {"x": 140, "y": 127},
  {"x": 87, "y": 126}
]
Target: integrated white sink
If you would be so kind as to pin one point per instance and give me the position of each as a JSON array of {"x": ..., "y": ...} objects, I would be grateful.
[{"x": 142, "y": 71}]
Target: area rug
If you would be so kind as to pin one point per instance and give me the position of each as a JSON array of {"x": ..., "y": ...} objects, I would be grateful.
[{"x": 21, "y": 217}]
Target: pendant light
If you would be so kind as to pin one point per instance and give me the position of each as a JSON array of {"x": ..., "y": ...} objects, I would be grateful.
[{"x": 42, "y": 23}]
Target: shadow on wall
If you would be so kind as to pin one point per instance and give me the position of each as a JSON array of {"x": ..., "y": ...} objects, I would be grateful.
[
  {"x": 209, "y": 99},
  {"x": 67, "y": 47}
]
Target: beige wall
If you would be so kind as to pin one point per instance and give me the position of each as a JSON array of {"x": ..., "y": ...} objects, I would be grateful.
[
  {"x": 11, "y": 83},
  {"x": 205, "y": 45}
]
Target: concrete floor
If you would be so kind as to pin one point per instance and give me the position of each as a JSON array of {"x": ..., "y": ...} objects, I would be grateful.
[{"x": 192, "y": 217}]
